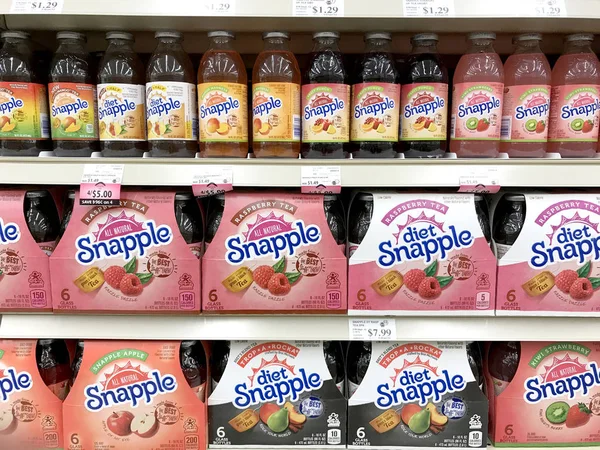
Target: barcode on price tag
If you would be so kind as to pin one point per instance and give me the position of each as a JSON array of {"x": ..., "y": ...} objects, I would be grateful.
[
  {"x": 321, "y": 180},
  {"x": 479, "y": 181},
  {"x": 217, "y": 8},
  {"x": 429, "y": 8},
  {"x": 372, "y": 329},
  {"x": 323, "y": 8},
  {"x": 547, "y": 8},
  {"x": 101, "y": 184},
  {"x": 30, "y": 7},
  {"x": 212, "y": 180}
]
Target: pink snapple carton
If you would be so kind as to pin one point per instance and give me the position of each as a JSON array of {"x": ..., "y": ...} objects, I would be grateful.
[
  {"x": 133, "y": 395},
  {"x": 140, "y": 256},
  {"x": 24, "y": 263},
  {"x": 543, "y": 394},
  {"x": 420, "y": 253},
  {"x": 31, "y": 415},
  {"x": 275, "y": 251},
  {"x": 548, "y": 246}
]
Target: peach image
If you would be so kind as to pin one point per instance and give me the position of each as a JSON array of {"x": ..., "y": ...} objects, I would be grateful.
[
  {"x": 212, "y": 125},
  {"x": 265, "y": 128},
  {"x": 223, "y": 129},
  {"x": 256, "y": 125}
]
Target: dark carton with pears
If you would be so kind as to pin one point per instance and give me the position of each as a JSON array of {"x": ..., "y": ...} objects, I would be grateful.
[
  {"x": 418, "y": 395},
  {"x": 279, "y": 394}
]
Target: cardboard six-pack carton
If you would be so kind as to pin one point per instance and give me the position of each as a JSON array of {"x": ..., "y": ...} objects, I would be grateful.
[
  {"x": 274, "y": 251},
  {"x": 126, "y": 258},
  {"x": 132, "y": 395},
  {"x": 423, "y": 253}
]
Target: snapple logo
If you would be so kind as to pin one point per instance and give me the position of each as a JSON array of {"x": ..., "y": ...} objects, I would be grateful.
[
  {"x": 162, "y": 106},
  {"x": 270, "y": 235},
  {"x": 275, "y": 385},
  {"x": 113, "y": 107},
  {"x": 583, "y": 105},
  {"x": 70, "y": 108},
  {"x": 9, "y": 104},
  {"x": 536, "y": 105},
  {"x": 423, "y": 242},
  {"x": 262, "y": 105},
  {"x": 12, "y": 381},
  {"x": 478, "y": 104},
  {"x": 9, "y": 233},
  {"x": 423, "y": 103},
  {"x": 373, "y": 104},
  {"x": 323, "y": 105},
  {"x": 121, "y": 236},
  {"x": 218, "y": 105}
]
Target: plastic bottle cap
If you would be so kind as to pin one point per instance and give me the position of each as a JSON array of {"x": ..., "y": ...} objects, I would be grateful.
[
  {"x": 481, "y": 35},
  {"x": 15, "y": 35},
  {"x": 168, "y": 34},
  {"x": 579, "y": 37},
  {"x": 527, "y": 37},
  {"x": 326, "y": 34},
  {"x": 70, "y": 35},
  {"x": 425, "y": 37},
  {"x": 378, "y": 35},
  {"x": 229, "y": 34},
  {"x": 119, "y": 35},
  {"x": 275, "y": 34}
]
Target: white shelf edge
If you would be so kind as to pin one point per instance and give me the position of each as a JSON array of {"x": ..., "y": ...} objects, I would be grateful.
[{"x": 293, "y": 327}]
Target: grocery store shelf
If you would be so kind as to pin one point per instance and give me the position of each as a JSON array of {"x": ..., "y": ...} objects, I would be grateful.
[
  {"x": 506, "y": 16},
  {"x": 286, "y": 173},
  {"x": 294, "y": 327}
]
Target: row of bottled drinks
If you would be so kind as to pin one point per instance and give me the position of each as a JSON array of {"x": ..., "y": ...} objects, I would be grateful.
[
  {"x": 365, "y": 252},
  {"x": 130, "y": 395},
  {"x": 377, "y": 110}
]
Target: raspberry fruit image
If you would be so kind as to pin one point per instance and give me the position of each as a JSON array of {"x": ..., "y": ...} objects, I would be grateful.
[
  {"x": 113, "y": 276},
  {"x": 131, "y": 285},
  {"x": 413, "y": 278},
  {"x": 581, "y": 289},
  {"x": 430, "y": 288},
  {"x": 565, "y": 279},
  {"x": 262, "y": 275},
  {"x": 279, "y": 285}
]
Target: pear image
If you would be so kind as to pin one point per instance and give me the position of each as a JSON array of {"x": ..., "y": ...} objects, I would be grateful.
[
  {"x": 279, "y": 421},
  {"x": 419, "y": 423}
]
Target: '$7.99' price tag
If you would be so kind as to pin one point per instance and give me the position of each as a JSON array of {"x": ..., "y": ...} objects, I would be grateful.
[
  {"x": 101, "y": 184},
  {"x": 372, "y": 329}
]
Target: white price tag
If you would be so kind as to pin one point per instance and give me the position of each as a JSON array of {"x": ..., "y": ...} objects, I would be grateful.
[
  {"x": 217, "y": 8},
  {"x": 429, "y": 8},
  {"x": 211, "y": 180},
  {"x": 548, "y": 8},
  {"x": 319, "y": 8},
  {"x": 105, "y": 173},
  {"x": 101, "y": 184},
  {"x": 372, "y": 329},
  {"x": 479, "y": 181},
  {"x": 321, "y": 179},
  {"x": 31, "y": 7}
]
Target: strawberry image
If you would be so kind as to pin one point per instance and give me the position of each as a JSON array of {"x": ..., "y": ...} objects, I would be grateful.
[
  {"x": 588, "y": 126},
  {"x": 578, "y": 415},
  {"x": 540, "y": 127},
  {"x": 483, "y": 125}
]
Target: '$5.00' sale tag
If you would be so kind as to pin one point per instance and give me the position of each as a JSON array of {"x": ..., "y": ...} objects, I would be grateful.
[
  {"x": 212, "y": 180},
  {"x": 101, "y": 184}
]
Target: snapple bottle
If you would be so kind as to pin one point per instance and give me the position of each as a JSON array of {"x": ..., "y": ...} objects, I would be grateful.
[
  {"x": 424, "y": 100},
  {"x": 575, "y": 105},
  {"x": 503, "y": 361},
  {"x": 223, "y": 99},
  {"x": 193, "y": 365},
  {"x": 53, "y": 364},
  {"x": 477, "y": 100},
  {"x": 276, "y": 99},
  {"x": 72, "y": 98},
  {"x": 524, "y": 131},
  {"x": 219, "y": 356},
  {"x": 376, "y": 101},
  {"x": 24, "y": 126},
  {"x": 325, "y": 101},
  {"x": 171, "y": 113},
  {"x": 42, "y": 219},
  {"x": 359, "y": 358},
  {"x": 121, "y": 98}
]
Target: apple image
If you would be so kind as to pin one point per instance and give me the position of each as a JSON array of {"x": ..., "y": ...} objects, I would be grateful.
[
  {"x": 8, "y": 423},
  {"x": 145, "y": 425},
  {"x": 119, "y": 423}
]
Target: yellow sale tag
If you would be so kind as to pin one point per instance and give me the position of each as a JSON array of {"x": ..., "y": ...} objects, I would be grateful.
[
  {"x": 389, "y": 283},
  {"x": 244, "y": 421},
  {"x": 386, "y": 421},
  {"x": 540, "y": 284},
  {"x": 238, "y": 280},
  {"x": 90, "y": 280}
]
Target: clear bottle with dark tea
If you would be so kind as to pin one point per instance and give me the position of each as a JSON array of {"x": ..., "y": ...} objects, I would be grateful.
[
  {"x": 193, "y": 364},
  {"x": 189, "y": 219},
  {"x": 42, "y": 219},
  {"x": 53, "y": 364}
]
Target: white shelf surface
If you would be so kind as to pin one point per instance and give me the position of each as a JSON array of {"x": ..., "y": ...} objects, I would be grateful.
[
  {"x": 286, "y": 173},
  {"x": 293, "y": 327}
]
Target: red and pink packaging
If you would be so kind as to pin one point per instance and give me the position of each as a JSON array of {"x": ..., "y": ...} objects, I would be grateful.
[
  {"x": 127, "y": 258},
  {"x": 24, "y": 264},
  {"x": 31, "y": 416},
  {"x": 276, "y": 251},
  {"x": 420, "y": 253},
  {"x": 132, "y": 395}
]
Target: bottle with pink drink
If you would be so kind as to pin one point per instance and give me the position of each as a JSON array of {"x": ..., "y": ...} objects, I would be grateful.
[
  {"x": 477, "y": 100},
  {"x": 575, "y": 100},
  {"x": 527, "y": 78}
]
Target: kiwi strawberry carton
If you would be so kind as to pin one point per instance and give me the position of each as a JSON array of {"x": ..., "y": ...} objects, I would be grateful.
[
  {"x": 419, "y": 253},
  {"x": 543, "y": 393},
  {"x": 132, "y": 395},
  {"x": 136, "y": 257},
  {"x": 31, "y": 415},
  {"x": 273, "y": 252},
  {"x": 278, "y": 394},
  {"x": 418, "y": 395}
]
